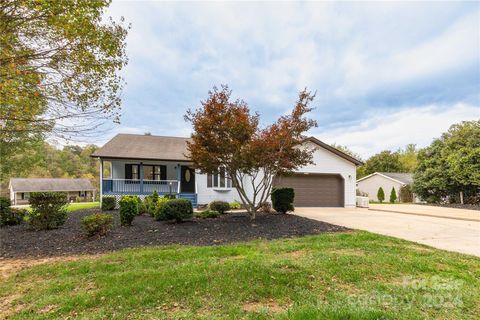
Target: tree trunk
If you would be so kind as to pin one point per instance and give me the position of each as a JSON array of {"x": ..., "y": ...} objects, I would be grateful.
[{"x": 461, "y": 197}]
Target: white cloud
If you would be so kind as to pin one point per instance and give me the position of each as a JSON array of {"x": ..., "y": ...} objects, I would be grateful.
[{"x": 418, "y": 125}]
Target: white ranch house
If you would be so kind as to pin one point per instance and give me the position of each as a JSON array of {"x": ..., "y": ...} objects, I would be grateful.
[{"x": 141, "y": 164}]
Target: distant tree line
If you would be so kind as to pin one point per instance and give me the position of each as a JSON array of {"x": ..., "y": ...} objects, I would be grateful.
[{"x": 43, "y": 160}]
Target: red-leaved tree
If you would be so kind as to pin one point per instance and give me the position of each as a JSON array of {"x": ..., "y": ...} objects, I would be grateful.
[{"x": 227, "y": 135}]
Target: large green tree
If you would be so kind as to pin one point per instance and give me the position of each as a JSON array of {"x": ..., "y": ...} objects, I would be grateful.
[
  {"x": 385, "y": 161},
  {"x": 451, "y": 165},
  {"x": 59, "y": 71}
]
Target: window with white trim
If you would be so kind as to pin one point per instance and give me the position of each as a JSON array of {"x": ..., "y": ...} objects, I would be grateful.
[{"x": 219, "y": 180}]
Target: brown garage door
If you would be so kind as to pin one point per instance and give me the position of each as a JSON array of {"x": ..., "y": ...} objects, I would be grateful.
[{"x": 314, "y": 190}]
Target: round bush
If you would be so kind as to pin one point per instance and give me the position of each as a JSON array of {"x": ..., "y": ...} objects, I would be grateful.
[
  {"x": 10, "y": 216},
  {"x": 207, "y": 214},
  {"x": 282, "y": 199},
  {"x": 235, "y": 205},
  {"x": 178, "y": 209},
  {"x": 108, "y": 203},
  {"x": 128, "y": 209},
  {"x": 219, "y": 206},
  {"x": 48, "y": 210},
  {"x": 97, "y": 224},
  {"x": 158, "y": 213}
]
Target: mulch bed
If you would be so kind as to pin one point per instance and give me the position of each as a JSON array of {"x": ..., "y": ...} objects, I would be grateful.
[{"x": 21, "y": 242}]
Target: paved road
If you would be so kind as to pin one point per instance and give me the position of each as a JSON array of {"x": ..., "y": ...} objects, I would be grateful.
[
  {"x": 452, "y": 213},
  {"x": 448, "y": 234}
]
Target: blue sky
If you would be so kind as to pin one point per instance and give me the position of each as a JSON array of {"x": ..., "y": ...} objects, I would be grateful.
[{"x": 386, "y": 74}]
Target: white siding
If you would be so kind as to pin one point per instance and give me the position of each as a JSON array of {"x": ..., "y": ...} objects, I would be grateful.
[
  {"x": 206, "y": 195},
  {"x": 372, "y": 184},
  {"x": 328, "y": 162}
]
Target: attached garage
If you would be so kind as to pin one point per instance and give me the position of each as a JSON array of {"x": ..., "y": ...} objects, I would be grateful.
[{"x": 315, "y": 189}]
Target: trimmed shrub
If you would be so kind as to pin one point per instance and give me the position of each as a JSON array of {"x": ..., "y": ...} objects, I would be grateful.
[
  {"x": 406, "y": 194},
  {"x": 206, "y": 214},
  {"x": 282, "y": 199},
  {"x": 158, "y": 213},
  {"x": 128, "y": 209},
  {"x": 155, "y": 196},
  {"x": 393, "y": 196},
  {"x": 48, "y": 210},
  {"x": 178, "y": 209},
  {"x": 219, "y": 206},
  {"x": 170, "y": 196},
  {"x": 108, "y": 203},
  {"x": 10, "y": 216},
  {"x": 97, "y": 224},
  {"x": 235, "y": 205},
  {"x": 380, "y": 195}
]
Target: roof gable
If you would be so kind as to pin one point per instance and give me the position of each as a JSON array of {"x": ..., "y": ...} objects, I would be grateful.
[
  {"x": 400, "y": 177},
  {"x": 334, "y": 150}
]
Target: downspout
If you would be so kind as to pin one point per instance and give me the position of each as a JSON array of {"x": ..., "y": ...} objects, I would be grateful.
[
  {"x": 141, "y": 177},
  {"x": 101, "y": 182}
]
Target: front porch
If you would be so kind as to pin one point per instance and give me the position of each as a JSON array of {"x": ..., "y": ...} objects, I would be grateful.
[{"x": 142, "y": 178}]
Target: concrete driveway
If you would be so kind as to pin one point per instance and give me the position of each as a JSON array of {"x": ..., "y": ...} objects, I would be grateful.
[{"x": 443, "y": 233}]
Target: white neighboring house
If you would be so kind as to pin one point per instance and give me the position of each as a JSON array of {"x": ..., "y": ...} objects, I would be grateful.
[
  {"x": 141, "y": 164},
  {"x": 387, "y": 180},
  {"x": 76, "y": 189}
]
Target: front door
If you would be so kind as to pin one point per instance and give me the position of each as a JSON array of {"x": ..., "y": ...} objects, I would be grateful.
[{"x": 187, "y": 181}]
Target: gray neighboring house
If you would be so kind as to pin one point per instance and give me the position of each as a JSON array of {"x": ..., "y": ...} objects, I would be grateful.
[
  {"x": 20, "y": 188},
  {"x": 387, "y": 180}
]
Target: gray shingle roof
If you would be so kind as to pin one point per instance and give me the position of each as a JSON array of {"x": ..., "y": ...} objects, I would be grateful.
[
  {"x": 406, "y": 178},
  {"x": 50, "y": 184},
  {"x": 133, "y": 146}
]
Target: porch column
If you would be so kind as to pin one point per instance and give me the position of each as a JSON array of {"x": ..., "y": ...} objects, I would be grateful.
[
  {"x": 141, "y": 177},
  {"x": 101, "y": 182},
  {"x": 179, "y": 176}
]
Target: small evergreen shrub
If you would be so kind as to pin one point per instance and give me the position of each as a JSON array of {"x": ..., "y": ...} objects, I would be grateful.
[
  {"x": 219, "y": 206},
  {"x": 393, "y": 196},
  {"x": 48, "y": 210},
  {"x": 10, "y": 216},
  {"x": 155, "y": 196},
  {"x": 380, "y": 195},
  {"x": 406, "y": 194},
  {"x": 235, "y": 205},
  {"x": 206, "y": 214},
  {"x": 282, "y": 199},
  {"x": 170, "y": 196},
  {"x": 158, "y": 213},
  {"x": 97, "y": 224},
  {"x": 178, "y": 209},
  {"x": 128, "y": 209},
  {"x": 108, "y": 203}
]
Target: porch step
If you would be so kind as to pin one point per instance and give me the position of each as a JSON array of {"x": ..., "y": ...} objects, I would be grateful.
[{"x": 189, "y": 196}]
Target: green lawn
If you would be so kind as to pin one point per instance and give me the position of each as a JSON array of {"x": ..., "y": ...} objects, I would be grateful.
[
  {"x": 77, "y": 206},
  {"x": 355, "y": 275},
  {"x": 82, "y": 205}
]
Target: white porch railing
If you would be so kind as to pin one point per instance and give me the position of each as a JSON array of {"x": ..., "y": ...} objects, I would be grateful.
[{"x": 133, "y": 186}]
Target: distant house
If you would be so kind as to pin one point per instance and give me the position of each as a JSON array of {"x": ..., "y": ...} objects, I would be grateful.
[
  {"x": 141, "y": 164},
  {"x": 20, "y": 188},
  {"x": 387, "y": 180}
]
